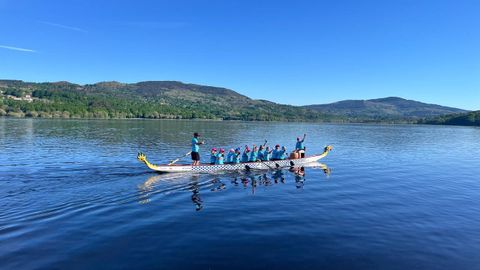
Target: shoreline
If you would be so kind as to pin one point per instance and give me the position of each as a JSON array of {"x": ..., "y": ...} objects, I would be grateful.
[{"x": 242, "y": 121}]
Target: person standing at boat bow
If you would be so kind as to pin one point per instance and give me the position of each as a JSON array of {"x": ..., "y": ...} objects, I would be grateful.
[
  {"x": 196, "y": 149},
  {"x": 300, "y": 146}
]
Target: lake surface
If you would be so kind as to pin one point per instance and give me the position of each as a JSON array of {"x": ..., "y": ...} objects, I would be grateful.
[{"x": 73, "y": 196}]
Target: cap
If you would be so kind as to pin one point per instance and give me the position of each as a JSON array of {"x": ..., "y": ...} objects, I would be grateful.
[
  {"x": 222, "y": 150},
  {"x": 196, "y": 134},
  {"x": 278, "y": 145},
  {"x": 214, "y": 149},
  {"x": 232, "y": 150}
]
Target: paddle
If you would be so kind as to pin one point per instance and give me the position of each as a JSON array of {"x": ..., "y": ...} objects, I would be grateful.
[
  {"x": 266, "y": 164},
  {"x": 173, "y": 161}
]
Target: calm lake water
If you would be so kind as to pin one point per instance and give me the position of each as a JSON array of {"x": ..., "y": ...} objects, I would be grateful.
[{"x": 73, "y": 196}]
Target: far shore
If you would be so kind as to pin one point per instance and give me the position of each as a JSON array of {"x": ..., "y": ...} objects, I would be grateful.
[{"x": 230, "y": 120}]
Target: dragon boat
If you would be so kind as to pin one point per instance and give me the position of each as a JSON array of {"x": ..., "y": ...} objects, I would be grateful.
[{"x": 259, "y": 165}]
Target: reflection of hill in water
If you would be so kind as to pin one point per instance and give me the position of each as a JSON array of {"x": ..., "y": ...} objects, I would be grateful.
[{"x": 197, "y": 184}]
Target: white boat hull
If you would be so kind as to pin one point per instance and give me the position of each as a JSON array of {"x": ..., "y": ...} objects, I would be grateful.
[{"x": 259, "y": 165}]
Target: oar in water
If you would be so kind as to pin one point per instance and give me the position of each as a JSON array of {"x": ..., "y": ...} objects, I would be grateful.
[
  {"x": 267, "y": 164},
  {"x": 173, "y": 161}
]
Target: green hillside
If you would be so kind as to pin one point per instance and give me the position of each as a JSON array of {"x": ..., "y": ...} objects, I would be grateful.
[
  {"x": 384, "y": 109},
  {"x": 150, "y": 99},
  {"x": 462, "y": 119},
  {"x": 177, "y": 100}
]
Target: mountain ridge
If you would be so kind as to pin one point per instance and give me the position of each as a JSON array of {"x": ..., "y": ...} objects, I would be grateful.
[
  {"x": 175, "y": 99},
  {"x": 393, "y": 107}
]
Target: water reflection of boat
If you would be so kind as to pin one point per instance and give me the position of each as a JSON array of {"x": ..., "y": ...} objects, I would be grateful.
[
  {"x": 217, "y": 182},
  {"x": 260, "y": 165}
]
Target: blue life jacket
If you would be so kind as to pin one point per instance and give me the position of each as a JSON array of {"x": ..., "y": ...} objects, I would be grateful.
[
  {"x": 261, "y": 155},
  {"x": 213, "y": 158},
  {"x": 266, "y": 155},
  {"x": 236, "y": 158},
  {"x": 253, "y": 156},
  {"x": 230, "y": 157},
  {"x": 276, "y": 154},
  {"x": 219, "y": 159},
  {"x": 245, "y": 157}
]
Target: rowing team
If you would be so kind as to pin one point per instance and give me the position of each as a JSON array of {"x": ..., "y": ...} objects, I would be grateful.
[{"x": 235, "y": 156}]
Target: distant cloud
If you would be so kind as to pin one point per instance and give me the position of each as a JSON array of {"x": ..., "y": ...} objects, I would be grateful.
[
  {"x": 64, "y": 26},
  {"x": 16, "y": 49}
]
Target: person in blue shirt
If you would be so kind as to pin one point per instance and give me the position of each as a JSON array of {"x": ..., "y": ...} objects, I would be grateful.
[
  {"x": 196, "y": 149},
  {"x": 246, "y": 154},
  {"x": 236, "y": 157},
  {"x": 253, "y": 154},
  {"x": 276, "y": 153},
  {"x": 267, "y": 154},
  {"x": 213, "y": 156},
  {"x": 220, "y": 157},
  {"x": 230, "y": 156},
  {"x": 283, "y": 154},
  {"x": 300, "y": 147},
  {"x": 261, "y": 152}
]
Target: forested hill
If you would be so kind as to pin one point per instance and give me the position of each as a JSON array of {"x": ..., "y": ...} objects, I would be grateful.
[
  {"x": 384, "y": 108},
  {"x": 177, "y": 100},
  {"x": 462, "y": 119},
  {"x": 150, "y": 99}
]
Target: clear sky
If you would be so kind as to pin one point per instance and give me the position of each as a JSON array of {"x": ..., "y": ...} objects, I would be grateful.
[{"x": 294, "y": 52}]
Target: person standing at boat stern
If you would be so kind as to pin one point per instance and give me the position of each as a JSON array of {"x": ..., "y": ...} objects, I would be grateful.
[
  {"x": 196, "y": 149},
  {"x": 300, "y": 146}
]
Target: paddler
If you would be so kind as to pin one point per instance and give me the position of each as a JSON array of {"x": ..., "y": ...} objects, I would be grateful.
[
  {"x": 236, "y": 157},
  {"x": 300, "y": 147},
  {"x": 213, "y": 156},
  {"x": 220, "y": 157},
  {"x": 261, "y": 152},
  {"x": 276, "y": 152},
  {"x": 283, "y": 154},
  {"x": 246, "y": 154},
  {"x": 267, "y": 154},
  {"x": 253, "y": 154},
  {"x": 196, "y": 149},
  {"x": 230, "y": 156}
]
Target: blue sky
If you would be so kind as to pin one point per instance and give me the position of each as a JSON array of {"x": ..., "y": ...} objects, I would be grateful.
[{"x": 294, "y": 52}]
